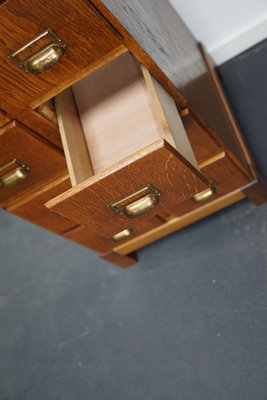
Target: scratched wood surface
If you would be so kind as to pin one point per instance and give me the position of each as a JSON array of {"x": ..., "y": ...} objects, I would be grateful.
[
  {"x": 158, "y": 164},
  {"x": 44, "y": 159},
  {"x": 88, "y": 37}
]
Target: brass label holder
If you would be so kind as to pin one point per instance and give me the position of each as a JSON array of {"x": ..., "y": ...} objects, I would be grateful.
[
  {"x": 44, "y": 58},
  {"x": 205, "y": 195},
  {"x": 123, "y": 235},
  {"x": 137, "y": 203}
]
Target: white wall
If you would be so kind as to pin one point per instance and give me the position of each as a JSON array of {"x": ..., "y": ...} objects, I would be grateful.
[{"x": 225, "y": 27}]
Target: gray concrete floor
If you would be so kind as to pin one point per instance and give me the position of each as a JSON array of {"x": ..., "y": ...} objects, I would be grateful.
[{"x": 188, "y": 322}]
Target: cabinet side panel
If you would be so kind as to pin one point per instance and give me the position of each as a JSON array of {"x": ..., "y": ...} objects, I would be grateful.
[{"x": 153, "y": 28}]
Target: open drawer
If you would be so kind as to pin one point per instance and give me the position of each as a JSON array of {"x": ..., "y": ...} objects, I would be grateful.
[{"x": 128, "y": 155}]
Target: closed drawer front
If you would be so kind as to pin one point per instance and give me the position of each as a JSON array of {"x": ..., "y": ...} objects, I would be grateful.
[
  {"x": 159, "y": 166},
  {"x": 226, "y": 175},
  {"x": 31, "y": 206},
  {"x": 88, "y": 42},
  {"x": 25, "y": 160}
]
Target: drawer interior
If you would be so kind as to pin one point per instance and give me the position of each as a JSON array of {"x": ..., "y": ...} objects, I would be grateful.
[{"x": 113, "y": 113}]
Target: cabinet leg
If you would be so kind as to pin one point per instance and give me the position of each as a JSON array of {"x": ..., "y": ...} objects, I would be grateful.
[
  {"x": 256, "y": 191},
  {"x": 120, "y": 260}
]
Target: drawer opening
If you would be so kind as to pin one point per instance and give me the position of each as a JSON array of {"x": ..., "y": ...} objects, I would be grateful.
[{"x": 113, "y": 113}]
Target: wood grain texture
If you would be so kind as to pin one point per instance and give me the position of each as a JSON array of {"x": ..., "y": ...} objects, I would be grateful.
[
  {"x": 3, "y": 118},
  {"x": 226, "y": 176},
  {"x": 168, "y": 120},
  {"x": 31, "y": 207},
  {"x": 257, "y": 190},
  {"x": 236, "y": 139},
  {"x": 204, "y": 144},
  {"x": 159, "y": 39},
  {"x": 44, "y": 159},
  {"x": 178, "y": 223},
  {"x": 87, "y": 35},
  {"x": 48, "y": 111},
  {"x": 159, "y": 165},
  {"x": 72, "y": 135},
  {"x": 229, "y": 181},
  {"x": 122, "y": 109},
  {"x": 41, "y": 125},
  {"x": 115, "y": 112},
  {"x": 152, "y": 29}
]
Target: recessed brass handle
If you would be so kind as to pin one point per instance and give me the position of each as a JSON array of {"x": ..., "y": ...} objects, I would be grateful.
[
  {"x": 13, "y": 176},
  {"x": 141, "y": 206},
  {"x": 137, "y": 203},
  {"x": 205, "y": 194},
  {"x": 44, "y": 58}
]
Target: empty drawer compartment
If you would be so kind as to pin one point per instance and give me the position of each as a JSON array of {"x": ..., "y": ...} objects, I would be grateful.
[{"x": 128, "y": 154}]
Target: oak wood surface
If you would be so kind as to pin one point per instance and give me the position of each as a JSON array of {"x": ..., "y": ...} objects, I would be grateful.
[
  {"x": 31, "y": 207},
  {"x": 178, "y": 223},
  {"x": 159, "y": 39},
  {"x": 87, "y": 35},
  {"x": 41, "y": 125},
  {"x": 48, "y": 111},
  {"x": 235, "y": 139},
  {"x": 72, "y": 135},
  {"x": 122, "y": 109},
  {"x": 226, "y": 176},
  {"x": 204, "y": 144},
  {"x": 159, "y": 165},
  {"x": 168, "y": 120},
  {"x": 44, "y": 159},
  {"x": 3, "y": 118},
  {"x": 88, "y": 238},
  {"x": 257, "y": 190},
  {"x": 115, "y": 112}
]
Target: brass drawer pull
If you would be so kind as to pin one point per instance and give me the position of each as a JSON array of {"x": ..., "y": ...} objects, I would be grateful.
[
  {"x": 13, "y": 176},
  {"x": 123, "y": 235},
  {"x": 44, "y": 58},
  {"x": 137, "y": 203},
  {"x": 205, "y": 194}
]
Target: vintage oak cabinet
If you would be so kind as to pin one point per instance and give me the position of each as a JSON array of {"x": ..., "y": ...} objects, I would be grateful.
[{"x": 114, "y": 128}]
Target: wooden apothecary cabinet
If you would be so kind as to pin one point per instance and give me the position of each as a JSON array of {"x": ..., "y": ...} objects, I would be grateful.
[{"x": 150, "y": 142}]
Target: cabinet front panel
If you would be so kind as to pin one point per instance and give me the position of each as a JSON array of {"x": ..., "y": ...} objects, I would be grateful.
[
  {"x": 25, "y": 160},
  {"x": 80, "y": 39},
  {"x": 33, "y": 210},
  {"x": 134, "y": 196}
]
